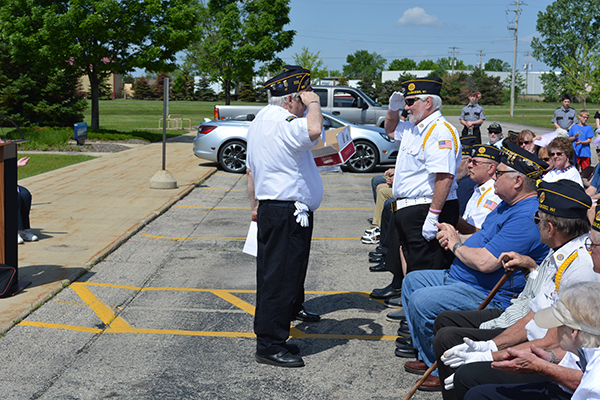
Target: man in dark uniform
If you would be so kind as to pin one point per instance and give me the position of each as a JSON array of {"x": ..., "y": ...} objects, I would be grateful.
[
  {"x": 564, "y": 117},
  {"x": 471, "y": 117},
  {"x": 285, "y": 188}
]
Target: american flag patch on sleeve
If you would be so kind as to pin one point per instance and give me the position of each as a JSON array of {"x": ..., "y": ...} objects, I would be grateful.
[
  {"x": 490, "y": 204},
  {"x": 445, "y": 144}
]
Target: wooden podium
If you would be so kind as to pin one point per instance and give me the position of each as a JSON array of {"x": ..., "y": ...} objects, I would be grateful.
[{"x": 8, "y": 216}]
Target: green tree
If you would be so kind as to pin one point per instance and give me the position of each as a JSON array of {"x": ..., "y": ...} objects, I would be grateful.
[
  {"x": 363, "y": 64},
  {"x": 237, "y": 34},
  {"x": 141, "y": 89},
  {"x": 367, "y": 86},
  {"x": 204, "y": 92},
  {"x": 454, "y": 88},
  {"x": 490, "y": 87},
  {"x": 496, "y": 64},
  {"x": 581, "y": 72},
  {"x": 405, "y": 64},
  {"x": 31, "y": 96},
  {"x": 564, "y": 28},
  {"x": 519, "y": 85},
  {"x": 312, "y": 62},
  {"x": 445, "y": 63},
  {"x": 99, "y": 37},
  {"x": 554, "y": 86},
  {"x": 425, "y": 65},
  {"x": 183, "y": 85},
  {"x": 158, "y": 88}
]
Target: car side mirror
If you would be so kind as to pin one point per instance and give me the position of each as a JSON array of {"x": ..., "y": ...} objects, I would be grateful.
[
  {"x": 363, "y": 104},
  {"x": 326, "y": 124}
]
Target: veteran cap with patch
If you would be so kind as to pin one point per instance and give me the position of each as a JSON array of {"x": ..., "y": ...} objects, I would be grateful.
[
  {"x": 466, "y": 150},
  {"x": 513, "y": 133},
  {"x": 422, "y": 86},
  {"x": 523, "y": 161},
  {"x": 559, "y": 315},
  {"x": 596, "y": 221},
  {"x": 293, "y": 79},
  {"x": 495, "y": 127},
  {"x": 486, "y": 151},
  {"x": 469, "y": 140},
  {"x": 563, "y": 198}
]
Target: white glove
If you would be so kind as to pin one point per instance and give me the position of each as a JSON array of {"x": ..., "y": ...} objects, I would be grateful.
[
  {"x": 429, "y": 229},
  {"x": 396, "y": 101},
  {"x": 449, "y": 382},
  {"x": 469, "y": 352},
  {"x": 301, "y": 214}
]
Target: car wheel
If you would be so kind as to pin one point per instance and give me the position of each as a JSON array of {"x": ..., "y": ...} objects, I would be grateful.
[
  {"x": 365, "y": 159},
  {"x": 232, "y": 156}
]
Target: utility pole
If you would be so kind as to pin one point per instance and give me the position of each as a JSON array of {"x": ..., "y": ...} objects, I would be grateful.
[
  {"x": 480, "y": 58},
  {"x": 454, "y": 53},
  {"x": 512, "y": 83},
  {"x": 527, "y": 66}
]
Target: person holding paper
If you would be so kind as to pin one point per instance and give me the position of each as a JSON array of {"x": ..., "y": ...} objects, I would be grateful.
[{"x": 285, "y": 189}]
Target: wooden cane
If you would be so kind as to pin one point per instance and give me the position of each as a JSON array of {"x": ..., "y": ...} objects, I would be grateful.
[{"x": 483, "y": 305}]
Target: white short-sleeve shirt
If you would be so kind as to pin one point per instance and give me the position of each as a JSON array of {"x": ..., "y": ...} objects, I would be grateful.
[
  {"x": 425, "y": 149},
  {"x": 482, "y": 202},
  {"x": 280, "y": 159}
]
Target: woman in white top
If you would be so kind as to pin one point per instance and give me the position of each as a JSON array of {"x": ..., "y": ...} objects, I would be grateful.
[{"x": 561, "y": 152}]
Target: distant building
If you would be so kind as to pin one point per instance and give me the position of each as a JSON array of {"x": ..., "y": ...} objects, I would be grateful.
[{"x": 115, "y": 81}]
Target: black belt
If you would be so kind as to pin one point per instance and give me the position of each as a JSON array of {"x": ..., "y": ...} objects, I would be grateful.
[{"x": 278, "y": 203}]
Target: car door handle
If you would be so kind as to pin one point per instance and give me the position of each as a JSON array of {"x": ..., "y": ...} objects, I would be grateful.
[{"x": 336, "y": 113}]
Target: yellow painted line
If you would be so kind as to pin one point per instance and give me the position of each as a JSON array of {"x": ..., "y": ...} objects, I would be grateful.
[
  {"x": 60, "y": 326},
  {"x": 101, "y": 310},
  {"x": 211, "y": 188},
  {"x": 236, "y": 301},
  {"x": 232, "y": 237},
  {"x": 203, "y": 207}
]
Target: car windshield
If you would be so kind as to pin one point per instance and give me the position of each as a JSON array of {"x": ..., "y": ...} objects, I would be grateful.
[{"x": 368, "y": 99}]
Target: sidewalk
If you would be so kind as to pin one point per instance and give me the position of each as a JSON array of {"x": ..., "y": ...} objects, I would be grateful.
[{"x": 84, "y": 211}]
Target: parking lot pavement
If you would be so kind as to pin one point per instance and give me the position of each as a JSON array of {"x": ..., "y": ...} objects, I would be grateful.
[{"x": 169, "y": 314}]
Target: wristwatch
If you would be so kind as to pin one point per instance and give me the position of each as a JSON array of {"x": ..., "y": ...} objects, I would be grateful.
[{"x": 456, "y": 246}]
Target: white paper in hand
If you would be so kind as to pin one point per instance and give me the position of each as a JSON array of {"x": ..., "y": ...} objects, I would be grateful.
[{"x": 251, "y": 245}]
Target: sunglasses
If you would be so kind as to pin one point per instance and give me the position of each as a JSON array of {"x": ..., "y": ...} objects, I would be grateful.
[
  {"x": 500, "y": 173},
  {"x": 476, "y": 163},
  {"x": 557, "y": 154},
  {"x": 410, "y": 102},
  {"x": 597, "y": 150},
  {"x": 494, "y": 133},
  {"x": 537, "y": 219},
  {"x": 546, "y": 159},
  {"x": 526, "y": 143}
]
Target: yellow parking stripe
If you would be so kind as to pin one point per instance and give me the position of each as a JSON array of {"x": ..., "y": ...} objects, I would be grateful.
[{"x": 119, "y": 325}]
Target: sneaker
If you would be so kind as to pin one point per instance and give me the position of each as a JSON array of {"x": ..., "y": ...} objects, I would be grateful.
[
  {"x": 371, "y": 239},
  {"x": 28, "y": 236},
  {"x": 20, "y": 239},
  {"x": 372, "y": 231}
]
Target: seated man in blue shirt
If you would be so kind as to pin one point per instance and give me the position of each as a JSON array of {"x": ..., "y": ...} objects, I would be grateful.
[{"x": 476, "y": 270}]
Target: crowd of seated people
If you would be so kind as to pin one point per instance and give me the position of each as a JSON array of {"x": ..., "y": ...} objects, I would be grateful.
[{"x": 538, "y": 224}]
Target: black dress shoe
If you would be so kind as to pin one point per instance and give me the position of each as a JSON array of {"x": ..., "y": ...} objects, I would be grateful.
[
  {"x": 292, "y": 348},
  {"x": 378, "y": 268},
  {"x": 282, "y": 359},
  {"x": 402, "y": 341},
  {"x": 370, "y": 220},
  {"x": 376, "y": 259},
  {"x": 406, "y": 351},
  {"x": 306, "y": 316},
  {"x": 403, "y": 330},
  {"x": 391, "y": 292},
  {"x": 375, "y": 254}
]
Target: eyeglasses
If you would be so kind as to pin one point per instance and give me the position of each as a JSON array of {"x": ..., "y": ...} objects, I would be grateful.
[
  {"x": 589, "y": 245},
  {"x": 557, "y": 154},
  {"x": 597, "y": 150},
  {"x": 476, "y": 163},
  {"x": 526, "y": 143},
  {"x": 500, "y": 173},
  {"x": 494, "y": 133},
  {"x": 536, "y": 218},
  {"x": 411, "y": 101},
  {"x": 546, "y": 159}
]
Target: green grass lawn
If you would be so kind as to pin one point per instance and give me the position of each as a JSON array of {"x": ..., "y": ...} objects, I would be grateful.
[{"x": 40, "y": 163}]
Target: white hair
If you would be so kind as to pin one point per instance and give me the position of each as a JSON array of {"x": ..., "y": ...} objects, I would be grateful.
[
  {"x": 280, "y": 100},
  {"x": 436, "y": 101}
]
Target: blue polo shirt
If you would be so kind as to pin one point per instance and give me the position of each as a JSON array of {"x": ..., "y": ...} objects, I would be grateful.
[{"x": 507, "y": 228}]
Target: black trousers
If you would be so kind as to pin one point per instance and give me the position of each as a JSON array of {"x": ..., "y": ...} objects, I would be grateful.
[
  {"x": 23, "y": 208},
  {"x": 281, "y": 264},
  {"x": 529, "y": 391},
  {"x": 481, "y": 373},
  {"x": 450, "y": 327}
]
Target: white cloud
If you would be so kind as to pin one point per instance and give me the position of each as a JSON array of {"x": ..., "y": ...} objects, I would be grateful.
[{"x": 417, "y": 16}]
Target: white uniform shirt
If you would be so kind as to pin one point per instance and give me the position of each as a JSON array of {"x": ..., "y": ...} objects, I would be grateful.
[
  {"x": 423, "y": 153},
  {"x": 580, "y": 270},
  {"x": 498, "y": 144},
  {"x": 482, "y": 202},
  {"x": 280, "y": 159},
  {"x": 570, "y": 173},
  {"x": 589, "y": 387}
]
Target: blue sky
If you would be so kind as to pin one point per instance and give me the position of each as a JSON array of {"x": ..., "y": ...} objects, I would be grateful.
[{"x": 417, "y": 30}]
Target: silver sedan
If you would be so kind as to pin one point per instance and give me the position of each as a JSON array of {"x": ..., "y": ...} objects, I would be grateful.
[{"x": 224, "y": 142}]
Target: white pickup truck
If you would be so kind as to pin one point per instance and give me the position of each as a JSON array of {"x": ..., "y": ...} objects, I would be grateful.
[{"x": 346, "y": 102}]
